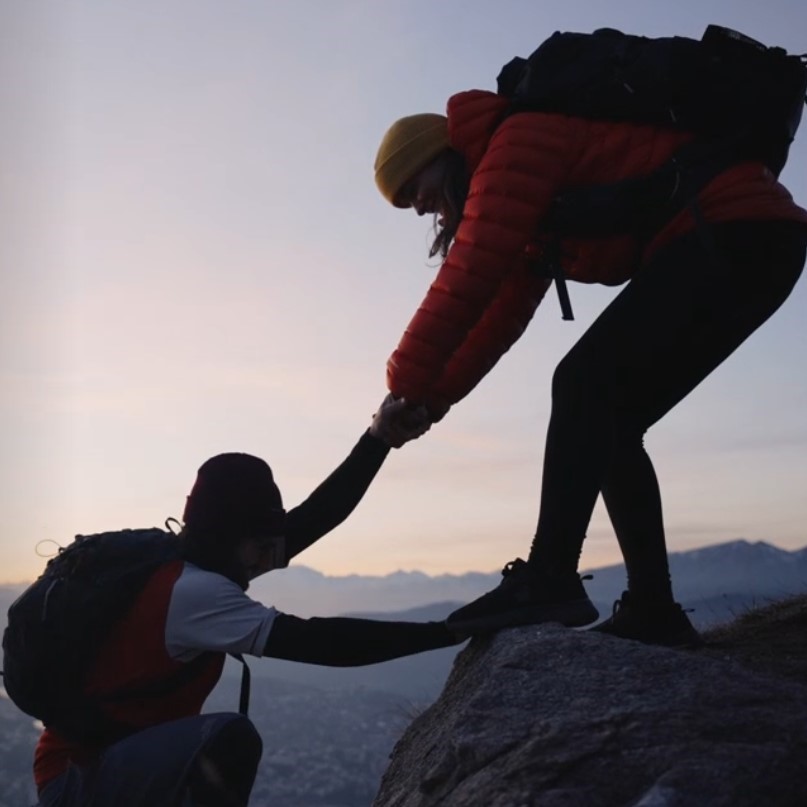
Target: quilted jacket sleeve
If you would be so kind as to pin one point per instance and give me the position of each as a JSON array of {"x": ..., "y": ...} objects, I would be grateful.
[
  {"x": 482, "y": 298},
  {"x": 501, "y": 325}
]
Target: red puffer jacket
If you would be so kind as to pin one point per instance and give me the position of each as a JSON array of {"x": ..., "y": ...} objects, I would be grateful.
[{"x": 485, "y": 293}]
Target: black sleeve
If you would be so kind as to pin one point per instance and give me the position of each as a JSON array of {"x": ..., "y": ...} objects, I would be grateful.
[
  {"x": 348, "y": 642},
  {"x": 336, "y": 498}
]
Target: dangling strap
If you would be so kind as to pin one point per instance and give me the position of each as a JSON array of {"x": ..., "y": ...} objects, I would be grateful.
[
  {"x": 705, "y": 234},
  {"x": 550, "y": 265},
  {"x": 246, "y": 680},
  {"x": 563, "y": 292}
]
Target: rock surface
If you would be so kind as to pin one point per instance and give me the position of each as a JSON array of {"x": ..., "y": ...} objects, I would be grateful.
[{"x": 549, "y": 716}]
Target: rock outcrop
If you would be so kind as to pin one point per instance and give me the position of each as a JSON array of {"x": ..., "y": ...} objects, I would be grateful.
[{"x": 549, "y": 716}]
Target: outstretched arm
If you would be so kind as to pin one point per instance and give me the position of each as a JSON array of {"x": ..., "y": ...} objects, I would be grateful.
[
  {"x": 348, "y": 642},
  {"x": 510, "y": 192},
  {"x": 334, "y": 500}
]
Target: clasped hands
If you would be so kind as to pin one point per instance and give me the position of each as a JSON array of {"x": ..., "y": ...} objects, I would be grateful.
[{"x": 397, "y": 421}]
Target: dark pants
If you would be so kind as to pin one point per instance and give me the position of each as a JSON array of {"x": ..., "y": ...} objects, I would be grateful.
[
  {"x": 679, "y": 318},
  {"x": 203, "y": 761}
]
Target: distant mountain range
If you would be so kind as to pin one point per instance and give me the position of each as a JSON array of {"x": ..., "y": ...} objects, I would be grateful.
[
  {"x": 751, "y": 570},
  {"x": 718, "y": 582}
]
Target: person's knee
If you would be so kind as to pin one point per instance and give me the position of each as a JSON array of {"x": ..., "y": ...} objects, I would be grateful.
[
  {"x": 238, "y": 738},
  {"x": 581, "y": 385},
  {"x": 224, "y": 770}
]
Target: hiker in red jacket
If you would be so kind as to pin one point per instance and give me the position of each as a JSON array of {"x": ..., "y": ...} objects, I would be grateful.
[
  {"x": 697, "y": 284},
  {"x": 194, "y": 610}
]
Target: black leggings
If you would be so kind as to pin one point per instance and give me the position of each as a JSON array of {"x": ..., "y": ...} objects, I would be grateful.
[{"x": 679, "y": 318}]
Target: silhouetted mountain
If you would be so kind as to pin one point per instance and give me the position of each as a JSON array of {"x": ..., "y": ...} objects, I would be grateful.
[
  {"x": 718, "y": 581},
  {"x": 751, "y": 569}
]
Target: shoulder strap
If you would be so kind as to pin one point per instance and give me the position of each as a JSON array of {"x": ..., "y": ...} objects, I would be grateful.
[{"x": 246, "y": 683}]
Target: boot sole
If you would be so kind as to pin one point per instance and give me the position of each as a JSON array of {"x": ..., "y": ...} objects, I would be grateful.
[
  {"x": 570, "y": 614},
  {"x": 678, "y": 641}
]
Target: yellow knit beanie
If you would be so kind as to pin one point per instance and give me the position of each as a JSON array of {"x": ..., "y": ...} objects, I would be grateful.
[{"x": 409, "y": 145}]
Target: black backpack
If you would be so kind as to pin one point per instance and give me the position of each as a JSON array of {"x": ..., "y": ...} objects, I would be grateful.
[
  {"x": 741, "y": 99},
  {"x": 724, "y": 86},
  {"x": 59, "y": 623}
]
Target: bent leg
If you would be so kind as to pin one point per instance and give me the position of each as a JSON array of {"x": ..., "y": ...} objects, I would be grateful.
[
  {"x": 676, "y": 321},
  {"x": 202, "y": 761},
  {"x": 632, "y": 498},
  {"x": 224, "y": 771}
]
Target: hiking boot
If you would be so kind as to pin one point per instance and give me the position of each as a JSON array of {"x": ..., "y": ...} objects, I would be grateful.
[
  {"x": 666, "y": 624},
  {"x": 526, "y": 597}
]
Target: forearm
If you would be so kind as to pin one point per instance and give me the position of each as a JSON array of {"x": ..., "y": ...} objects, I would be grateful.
[
  {"x": 336, "y": 498},
  {"x": 348, "y": 642}
]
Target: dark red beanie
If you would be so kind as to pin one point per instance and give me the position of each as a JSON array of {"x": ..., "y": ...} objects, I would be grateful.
[{"x": 235, "y": 494}]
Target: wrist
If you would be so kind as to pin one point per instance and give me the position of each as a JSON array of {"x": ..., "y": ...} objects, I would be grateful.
[{"x": 375, "y": 432}]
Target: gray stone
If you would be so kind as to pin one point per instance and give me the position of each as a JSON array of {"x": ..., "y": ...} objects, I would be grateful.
[{"x": 548, "y": 716}]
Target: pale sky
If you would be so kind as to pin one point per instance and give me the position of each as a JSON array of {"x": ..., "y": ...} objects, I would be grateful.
[{"x": 195, "y": 259}]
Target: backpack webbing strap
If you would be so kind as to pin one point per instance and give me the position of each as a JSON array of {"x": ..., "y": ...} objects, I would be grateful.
[
  {"x": 563, "y": 293},
  {"x": 548, "y": 265},
  {"x": 246, "y": 682}
]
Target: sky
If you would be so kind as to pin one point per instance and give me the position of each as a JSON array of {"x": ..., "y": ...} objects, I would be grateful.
[{"x": 195, "y": 259}]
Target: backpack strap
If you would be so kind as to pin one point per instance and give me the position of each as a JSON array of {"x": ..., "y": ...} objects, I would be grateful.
[
  {"x": 548, "y": 265},
  {"x": 706, "y": 237},
  {"x": 643, "y": 205},
  {"x": 246, "y": 682}
]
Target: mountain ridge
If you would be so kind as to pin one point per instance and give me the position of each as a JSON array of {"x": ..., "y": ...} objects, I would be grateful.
[{"x": 752, "y": 569}]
